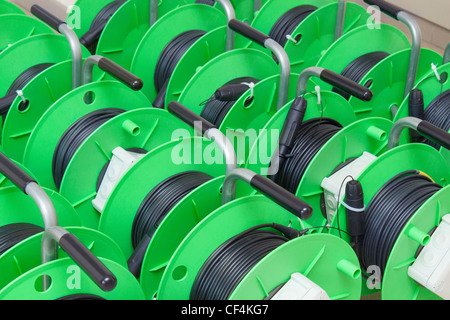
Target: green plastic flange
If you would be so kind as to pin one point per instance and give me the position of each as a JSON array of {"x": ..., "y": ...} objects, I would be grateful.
[
  {"x": 315, "y": 34},
  {"x": 85, "y": 14},
  {"x": 387, "y": 80},
  {"x": 368, "y": 135},
  {"x": 337, "y": 273},
  {"x": 396, "y": 282},
  {"x": 431, "y": 87},
  {"x": 226, "y": 222},
  {"x": 41, "y": 92},
  {"x": 45, "y": 48},
  {"x": 142, "y": 128},
  {"x": 18, "y": 207},
  {"x": 177, "y": 21},
  {"x": 68, "y": 281},
  {"x": 63, "y": 113},
  {"x": 26, "y": 255},
  {"x": 177, "y": 224},
  {"x": 10, "y": 33},
  {"x": 217, "y": 72},
  {"x": 349, "y": 47},
  {"x": 156, "y": 166},
  {"x": 402, "y": 158},
  {"x": 8, "y": 7}
]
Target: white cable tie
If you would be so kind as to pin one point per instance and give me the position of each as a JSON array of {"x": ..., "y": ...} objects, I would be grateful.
[
  {"x": 20, "y": 94},
  {"x": 351, "y": 208},
  {"x": 434, "y": 68},
  {"x": 319, "y": 98},
  {"x": 290, "y": 38},
  {"x": 251, "y": 85}
]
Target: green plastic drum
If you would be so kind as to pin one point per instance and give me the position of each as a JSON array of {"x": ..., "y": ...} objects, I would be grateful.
[
  {"x": 46, "y": 48},
  {"x": 10, "y": 34},
  {"x": 388, "y": 80},
  {"x": 8, "y": 7},
  {"x": 142, "y": 128},
  {"x": 57, "y": 119},
  {"x": 228, "y": 221},
  {"x": 17, "y": 207},
  {"x": 403, "y": 158},
  {"x": 62, "y": 273},
  {"x": 85, "y": 15},
  {"x": 315, "y": 34},
  {"x": 188, "y": 17},
  {"x": 354, "y": 44},
  {"x": 26, "y": 255},
  {"x": 159, "y": 164},
  {"x": 41, "y": 92}
]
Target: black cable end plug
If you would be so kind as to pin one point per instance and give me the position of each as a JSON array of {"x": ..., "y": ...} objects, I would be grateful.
[
  {"x": 289, "y": 232},
  {"x": 354, "y": 199}
]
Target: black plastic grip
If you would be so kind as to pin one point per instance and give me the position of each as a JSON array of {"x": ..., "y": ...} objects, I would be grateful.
[
  {"x": 120, "y": 74},
  {"x": 188, "y": 117},
  {"x": 434, "y": 134},
  {"x": 6, "y": 102},
  {"x": 46, "y": 16},
  {"x": 387, "y": 8},
  {"x": 281, "y": 196},
  {"x": 416, "y": 108},
  {"x": 17, "y": 176},
  {"x": 247, "y": 31},
  {"x": 96, "y": 270},
  {"x": 347, "y": 85}
]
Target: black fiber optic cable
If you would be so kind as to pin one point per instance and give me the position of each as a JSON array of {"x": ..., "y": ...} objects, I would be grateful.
[
  {"x": 389, "y": 211},
  {"x": 74, "y": 136},
  {"x": 287, "y": 23},
  {"x": 217, "y": 107},
  {"x": 311, "y": 137},
  {"x": 169, "y": 59},
  {"x": 230, "y": 262},
  {"x": 438, "y": 113},
  {"x": 155, "y": 206},
  {"x": 91, "y": 37},
  {"x": 359, "y": 67},
  {"x": 14, "y": 233},
  {"x": 19, "y": 83}
]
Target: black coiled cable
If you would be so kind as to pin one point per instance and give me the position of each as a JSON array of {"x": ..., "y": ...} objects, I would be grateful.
[
  {"x": 74, "y": 136},
  {"x": 19, "y": 83},
  {"x": 169, "y": 59},
  {"x": 438, "y": 113},
  {"x": 162, "y": 199},
  {"x": 287, "y": 23},
  {"x": 14, "y": 233},
  {"x": 208, "y": 2},
  {"x": 91, "y": 37},
  {"x": 216, "y": 109},
  {"x": 389, "y": 211},
  {"x": 312, "y": 136},
  {"x": 359, "y": 67},
  {"x": 228, "y": 264}
]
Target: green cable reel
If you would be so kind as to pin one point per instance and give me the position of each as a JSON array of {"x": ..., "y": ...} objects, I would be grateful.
[
  {"x": 26, "y": 255},
  {"x": 396, "y": 283},
  {"x": 431, "y": 87},
  {"x": 118, "y": 215},
  {"x": 145, "y": 129},
  {"x": 177, "y": 21},
  {"x": 29, "y": 26},
  {"x": 57, "y": 119},
  {"x": 391, "y": 71},
  {"x": 240, "y": 215},
  {"x": 8, "y": 7},
  {"x": 315, "y": 34}
]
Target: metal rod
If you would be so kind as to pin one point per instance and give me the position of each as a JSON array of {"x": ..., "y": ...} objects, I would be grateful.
[
  {"x": 397, "y": 129},
  {"x": 447, "y": 54},
  {"x": 302, "y": 82},
  {"x": 229, "y": 185},
  {"x": 77, "y": 57},
  {"x": 230, "y": 13},
  {"x": 153, "y": 11},
  {"x": 415, "y": 49},
  {"x": 340, "y": 18},
  {"x": 285, "y": 66}
]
